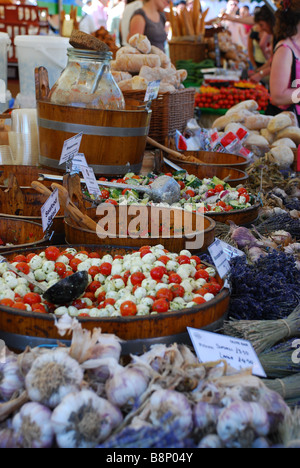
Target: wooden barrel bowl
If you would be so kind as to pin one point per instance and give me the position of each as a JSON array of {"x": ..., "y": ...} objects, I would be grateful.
[
  {"x": 113, "y": 141},
  {"x": 201, "y": 226},
  {"x": 19, "y": 328},
  {"x": 233, "y": 176},
  {"x": 20, "y": 234},
  {"x": 240, "y": 217},
  {"x": 24, "y": 174},
  {"x": 212, "y": 158}
]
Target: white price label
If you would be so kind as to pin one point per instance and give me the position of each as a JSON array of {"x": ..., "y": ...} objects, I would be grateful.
[
  {"x": 152, "y": 90},
  {"x": 231, "y": 251},
  {"x": 70, "y": 148},
  {"x": 78, "y": 161},
  {"x": 49, "y": 209},
  {"x": 238, "y": 353},
  {"x": 219, "y": 258},
  {"x": 90, "y": 180}
]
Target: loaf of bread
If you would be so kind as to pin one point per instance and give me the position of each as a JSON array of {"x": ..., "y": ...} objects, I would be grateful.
[
  {"x": 284, "y": 141},
  {"x": 233, "y": 127},
  {"x": 120, "y": 76},
  {"x": 166, "y": 88},
  {"x": 165, "y": 75},
  {"x": 257, "y": 140},
  {"x": 132, "y": 63},
  {"x": 164, "y": 59},
  {"x": 221, "y": 122},
  {"x": 290, "y": 132},
  {"x": 82, "y": 40},
  {"x": 141, "y": 43},
  {"x": 279, "y": 122},
  {"x": 283, "y": 155},
  {"x": 249, "y": 105},
  {"x": 293, "y": 118},
  {"x": 126, "y": 50},
  {"x": 270, "y": 137},
  {"x": 134, "y": 83},
  {"x": 257, "y": 121}
]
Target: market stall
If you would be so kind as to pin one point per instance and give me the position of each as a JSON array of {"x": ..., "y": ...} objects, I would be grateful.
[{"x": 153, "y": 301}]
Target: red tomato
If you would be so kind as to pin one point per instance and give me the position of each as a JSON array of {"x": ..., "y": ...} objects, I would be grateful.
[
  {"x": 29, "y": 257},
  {"x": 214, "y": 288},
  {"x": 94, "y": 270},
  {"x": 67, "y": 273},
  {"x": 19, "y": 258},
  {"x": 7, "y": 302},
  {"x": 104, "y": 194},
  {"x": 90, "y": 295},
  {"x": 94, "y": 255},
  {"x": 137, "y": 278},
  {"x": 39, "y": 308},
  {"x": 242, "y": 191},
  {"x": 24, "y": 267},
  {"x": 32, "y": 298},
  {"x": 210, "y": 193},
  {"x": 110, "y": 200},
  {"x": 164, "y": 259},
  {"x": 228, "y": 208},
  {"x": 19, "y": 305},
  {"x": 183, "y": 259},
  {"x": 74, "y": 263},
  {"x": 60, "y": 268},
  {"x": 52, "y": 253},
  {"x": 126, "y": 276},
  {"x": 158, "y": 272},
  {"x": 128, "y": 308},
  {"x": 175, "y": 278},
  {"x": 199, "y": 300},
  {"x": 203, "y": 290},
  {"x": 144, "y": 252},
  {"x": 164, "y": 293},
  {"x": 201, "y": 274},
  {"x": 177, "y": 290},
  {"x": 160, "y": 305},
  {"x": 101, "y": 296},
  {"x": 105, "y": 268},
  {"x": 196, "y": 258},
  {"x": 68, "y": 255},
  {"x": 221, "y": 204},
  {"x": 93, "y": 286},
  {"x": 79, "y": 304},
  {"x": 125, "y": 191},
  {"x": 118, "y": 256},
  {"x": 219, "y": 188},
  {"x": 110, "y": 301},
  {"x": 190, "y": 193}
]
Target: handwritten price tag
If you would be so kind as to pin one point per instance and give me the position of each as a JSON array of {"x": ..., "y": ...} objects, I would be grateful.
[
  {"x": 70, "y": 148},
  {"x": 152, "y": 90},
  {"x": 238, "y": 353},
  {"x": 78, "y": 161},
  {"x": 90, "y": 180},
  {"x": 49, "y": 209}
]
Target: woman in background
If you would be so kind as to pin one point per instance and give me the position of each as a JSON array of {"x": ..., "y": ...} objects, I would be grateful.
[{"x": 286, "y": 58}]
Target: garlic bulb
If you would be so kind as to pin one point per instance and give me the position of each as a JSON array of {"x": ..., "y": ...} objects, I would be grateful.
[
  {"x": 11, "y": 380},
  {"x": 52, "y": 376},
  {"x": 7, "y": 439},
  {"x": 211, "y": 441},
  {"x": 175, "y": 407},
  {"x": 241, "y": 422},
  {"x": 126, "y": 385},
  {"x": 205, "y": 416},
  {"x": 83, "y": 420},
  {"x": 32, "y": 426}
]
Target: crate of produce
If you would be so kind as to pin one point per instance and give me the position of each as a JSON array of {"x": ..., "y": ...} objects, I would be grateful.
[
  {"x": 170, "y": 111},
  {"x": 18, "y": 20}
]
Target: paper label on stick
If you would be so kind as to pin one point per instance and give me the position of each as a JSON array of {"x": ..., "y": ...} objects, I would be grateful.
[
  {"x": 90, "y": 180},
  {"x": 152, "y": 90},
  {"x": 231, "y": 251},
  {"x": 238, "y": 353},
  {"x": 219, "y": 258},
  {"x": 78, "y": 161},
  {"x": 70, "y": 148},
  {"x": 49, "y": 209}
]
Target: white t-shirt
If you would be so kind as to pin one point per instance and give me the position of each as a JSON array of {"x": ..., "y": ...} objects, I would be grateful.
[{"x": 126, "y": 17}]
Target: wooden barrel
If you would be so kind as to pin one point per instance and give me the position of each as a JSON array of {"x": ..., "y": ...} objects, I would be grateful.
[
  {"x": 216, "y": 159},
  {"x": 24, "y": 174},
  {"x": 20, "y": 234},
  {"x": 113, "y": 141},
  {"x": 19, "y": 328},
  {"x": 188, "y": 230},
  {"x": 240, "y": 217}
]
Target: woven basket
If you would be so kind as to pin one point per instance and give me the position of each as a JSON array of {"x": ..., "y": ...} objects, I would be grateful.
[
  {"x": 170, "y": 112},
  {"x": 186, "y": 50}
]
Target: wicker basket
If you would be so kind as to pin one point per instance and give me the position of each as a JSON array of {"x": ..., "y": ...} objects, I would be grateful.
[
  {"x": 170, "y": 112},
  {"x": 187, "y": 50}
]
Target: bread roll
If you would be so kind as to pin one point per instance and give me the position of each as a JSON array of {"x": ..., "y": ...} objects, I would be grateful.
[
  {"x": 141, "y": 43},
  {"x": 126, "y": 50},
  {"x": 166, "y": 88},
  {"x": 290, "y": 132},
  {"x": 270, "y": 137},
  {"x": 120, "y": 76},
  {"x": 283, "y": 156},
  {"x": 284, "y": 141},
  {"x": 233, "y": 127},
  {"x": 249, "y": 105},
  {"x": 132, "y": 63},
  {"x": 221, "y": 122},
  {"x": 164, "y": 59},
  {"x": 134, "y": 83},
  {"x": 293, "y": 118},
  {"x": 257, "y": 121},
  {"x": 257, "y": 140},
  {"x": 279, "y": 122}
]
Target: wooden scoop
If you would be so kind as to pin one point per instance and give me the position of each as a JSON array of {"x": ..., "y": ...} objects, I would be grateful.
[{"x": 174, "y": 153}]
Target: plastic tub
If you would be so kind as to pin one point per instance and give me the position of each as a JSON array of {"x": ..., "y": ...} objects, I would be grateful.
[
  {"x": 36, "y": 51},
  {"x": 4, "y": 44}
]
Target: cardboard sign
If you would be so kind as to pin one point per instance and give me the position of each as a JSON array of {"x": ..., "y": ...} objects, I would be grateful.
[
  {"x": 70, "y": 148},
  {"x": 78, "y": 161},
  {"x": 219, "y": 258},
  {"x": 90, "y": 180},
  {"x": 231, "y": 251},
  {"x": 238, "y": 353},
  {"x": 152, "y": 90},
  {"x": 49, "y": 209}
]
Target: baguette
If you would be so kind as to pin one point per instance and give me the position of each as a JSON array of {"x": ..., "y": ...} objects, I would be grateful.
[
  {"x": 132, "y": 63},
  {"x": 140, "y": 42},
  {"x": 257, "y": 121},
  {"x": 249, "y": 105},
  {"x": 221, "y": 122}
]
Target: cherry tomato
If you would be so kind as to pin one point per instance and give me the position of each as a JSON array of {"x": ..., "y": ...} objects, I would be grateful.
[
  {"x": 29, "y": 257},
  {"x": 93, "y": 286},
  {"x": 190, "y": 193},
  {"x": 126, "y": 276},
  {"x": 19, "y": 258},
  {"x": 79, "y": 304},
  {"x": 210, "y": 193},
  {"x": 52, "y": 253},
  {"x": 104, "y": 194},
  {"x": 214, "y": 288},
  {"x": 144, "y": 252},
  {"x": 201, "y": 274},
  {"x": 228, "y": 208},
  {"x": 242, "y": 191},
  {"x": 183, "y": 259},
  {"x": 177, "y": 290},
  {"x": 110, "y": 301},
  {"x": 74, "y": 262},
  {"x": 221, "y": 204},
  {"x": 158, "y": 272},
  {"x": 196, "y": 259},
  {"x": 160, "y": 305},
  {"x": 164, "y": 293},
  {"x": 67, "y": 273},
  {"x": 7, "y": 302},
  {"x": 219, "y": 188},
  {"x": 105, "y": 268},
  {"x": 94, "y": 270},
  {"x": 137, "y": 278},
  {"x": 94, "y": 255},
  {"x": 101, "y": 296},
  {"x": 118, "y": 256},
  {"x": 164, "y": 259},
  {"x": 110, "y": 200},
  {"x": 19, "y": 305},
  {"x": 37, "y": 307},
  {"x": 90, "y": 295},
  {"x": 128, "y": 308},
  {"x": 23, "y": 267},
  {"x": 199, "y": 300},
  {"x": 175, "y": 278},
  {"x": 203, "y": 290},
  {"x": 32, "y": 298},
  {"x": 60, "y": 268},
  {"x": 67, "y": 254}
]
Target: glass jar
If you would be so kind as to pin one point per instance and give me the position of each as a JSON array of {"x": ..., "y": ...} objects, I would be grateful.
[{"x": 87, "y": 82}]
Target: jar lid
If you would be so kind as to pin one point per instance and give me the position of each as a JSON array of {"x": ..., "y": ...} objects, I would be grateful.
[{"x": 89, "y": 54}]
